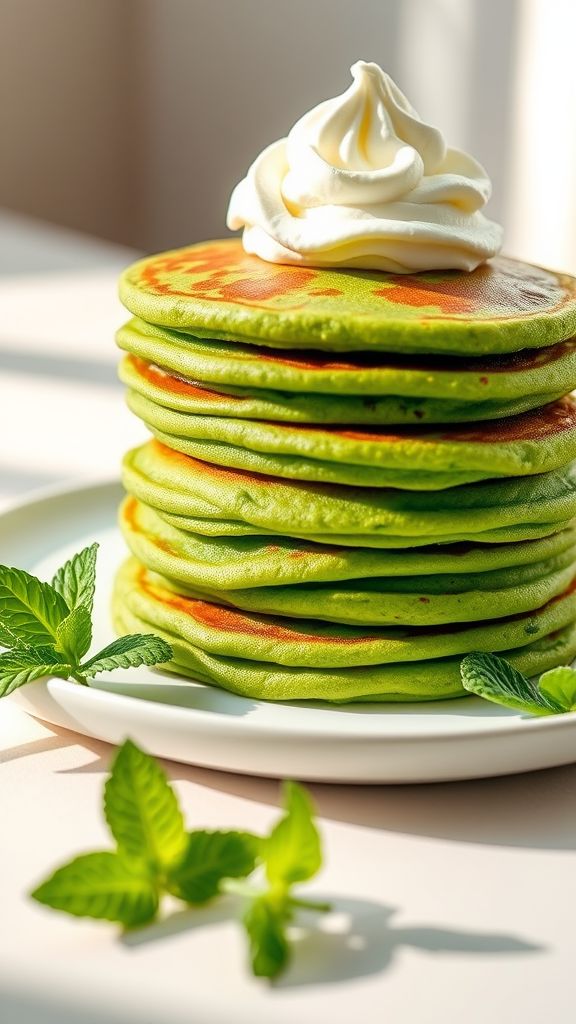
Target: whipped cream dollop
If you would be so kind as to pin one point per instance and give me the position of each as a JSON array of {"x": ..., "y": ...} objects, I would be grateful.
[{"x": 362, "y": 181}]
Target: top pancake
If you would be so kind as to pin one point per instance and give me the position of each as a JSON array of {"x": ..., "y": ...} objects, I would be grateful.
[{"x": 215, "y": 290}]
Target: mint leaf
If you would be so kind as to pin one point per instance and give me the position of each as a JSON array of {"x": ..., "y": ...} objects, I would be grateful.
[
  {"x": 22, "y": 656},
  {"x": 30, "y": 609},
  {"x": 142, "y": 809},
  {"x": 156, "y": 856},
  {"x": 74, "y": 634},
  {"x": 209, "y": 858},
  {"x": 559, "y": 685},
  {"x": 18, "y": 667},
  {"x": 292, "y": 852},
  {"x": 75, "y": 581},
  {"x": 497, "y": 680},
  {"x": 269, "y": 948},
  {"x": 102, "y": 885},
  {"x": 129, "y": 652},
  {"x": 9, "y": 638}
]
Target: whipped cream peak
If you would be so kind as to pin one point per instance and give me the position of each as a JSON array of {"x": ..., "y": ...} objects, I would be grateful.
[
  {"x": 362, "y": 181},
  {"x": 366, "y": 127}
]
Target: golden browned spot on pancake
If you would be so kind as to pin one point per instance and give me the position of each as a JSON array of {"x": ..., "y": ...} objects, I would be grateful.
[
  {"x": 167, "y": 380},
  {"x": 206, "y": 468},
  {"x": 130, "y": 516},
  {"x": 412, "y": 290},
  {"x": 554, "y": 418},
  {"x": 216, "y": 616},
  {"x": 129, "y": 512},
  {"x": 499, "y": 289},
  {"x": 228, "y": 474},
  {"x": 221, "y": 271}
]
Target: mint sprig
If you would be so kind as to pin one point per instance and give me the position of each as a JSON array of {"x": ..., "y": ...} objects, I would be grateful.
[
  {"x": 495, "y": 679},
  {"x": 155, "y": 855},
  {"x": 291, "y": 853},
  {"x": 46, "y": 628}
]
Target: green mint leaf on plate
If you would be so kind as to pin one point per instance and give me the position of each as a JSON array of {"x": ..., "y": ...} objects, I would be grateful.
[
  {"x": 209, "y": 858},
  {"x": 292, "y": 852},
  {"x": 129, "y": 652},
  {"x": 74, "y": 634},
  {"x": 11, "y": 639},
  {"x": 495, "y": 679},
  {"x": 76, "y": 580},
  {"x": 142, "y": 809},
  {"x": 29, "y": 608},
  {"x": 18, "y": 667},
  {"x": 265, "y": 925},
  {"x": 102, "y": 885},
  {"x": 49, "y": 627},
  {"x": 559, "y": 685}
]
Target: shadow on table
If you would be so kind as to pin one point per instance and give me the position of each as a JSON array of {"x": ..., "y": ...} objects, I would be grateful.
[
  {"x": 359, "y": 939},
  {"x": 38, "y": 746},
  {"x": 535, "y": 810},
  {"x": 355, "y": 940}
]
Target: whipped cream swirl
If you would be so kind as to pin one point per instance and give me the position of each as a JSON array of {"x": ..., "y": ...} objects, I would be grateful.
[{"x": 362, "y": 181}]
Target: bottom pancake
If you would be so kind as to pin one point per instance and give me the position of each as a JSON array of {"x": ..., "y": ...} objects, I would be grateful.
[
  {"x": 269, "y": 658},
  {"x": 419, "y": 681}
]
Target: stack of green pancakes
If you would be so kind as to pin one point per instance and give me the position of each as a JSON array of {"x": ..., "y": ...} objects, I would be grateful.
[{"x": 354, "y": 478}]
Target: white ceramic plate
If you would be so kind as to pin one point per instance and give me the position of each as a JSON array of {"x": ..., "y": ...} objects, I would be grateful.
[{"x": 198, "y": 724}]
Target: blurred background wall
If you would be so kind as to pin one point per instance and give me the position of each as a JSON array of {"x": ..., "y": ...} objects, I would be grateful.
[{"x": 133, "y": 119}]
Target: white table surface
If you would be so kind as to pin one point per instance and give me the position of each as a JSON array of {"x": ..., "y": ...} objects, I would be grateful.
[{"x": 454, "y": 902}]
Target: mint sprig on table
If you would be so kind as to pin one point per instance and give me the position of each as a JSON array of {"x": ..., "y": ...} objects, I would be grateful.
[
  {"x": 46, "y": 628},
  {"x": 156, "y": 856},
  {"x": 495, "y": 679}
]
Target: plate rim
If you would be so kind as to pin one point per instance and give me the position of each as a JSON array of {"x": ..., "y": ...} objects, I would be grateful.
[{"x": 234, "y": 722}]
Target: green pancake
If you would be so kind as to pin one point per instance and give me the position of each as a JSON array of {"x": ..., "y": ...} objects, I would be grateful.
[
  {"x": 211, "y": 527},
  {"x": 420, "y": 681},
  {"x": 233, "y": 563},
  {"x": 412, "y": 458},
  {"x": 312, "y": 643},
  {"x": 264, "y": 657},
  {"x": 189, "y": 492},
  {"x": 161, "y": 387},
  {"x": 438, "y": 601},
  {"x": 215, "y": 290},
  {"x": 487, "y": 381}
]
